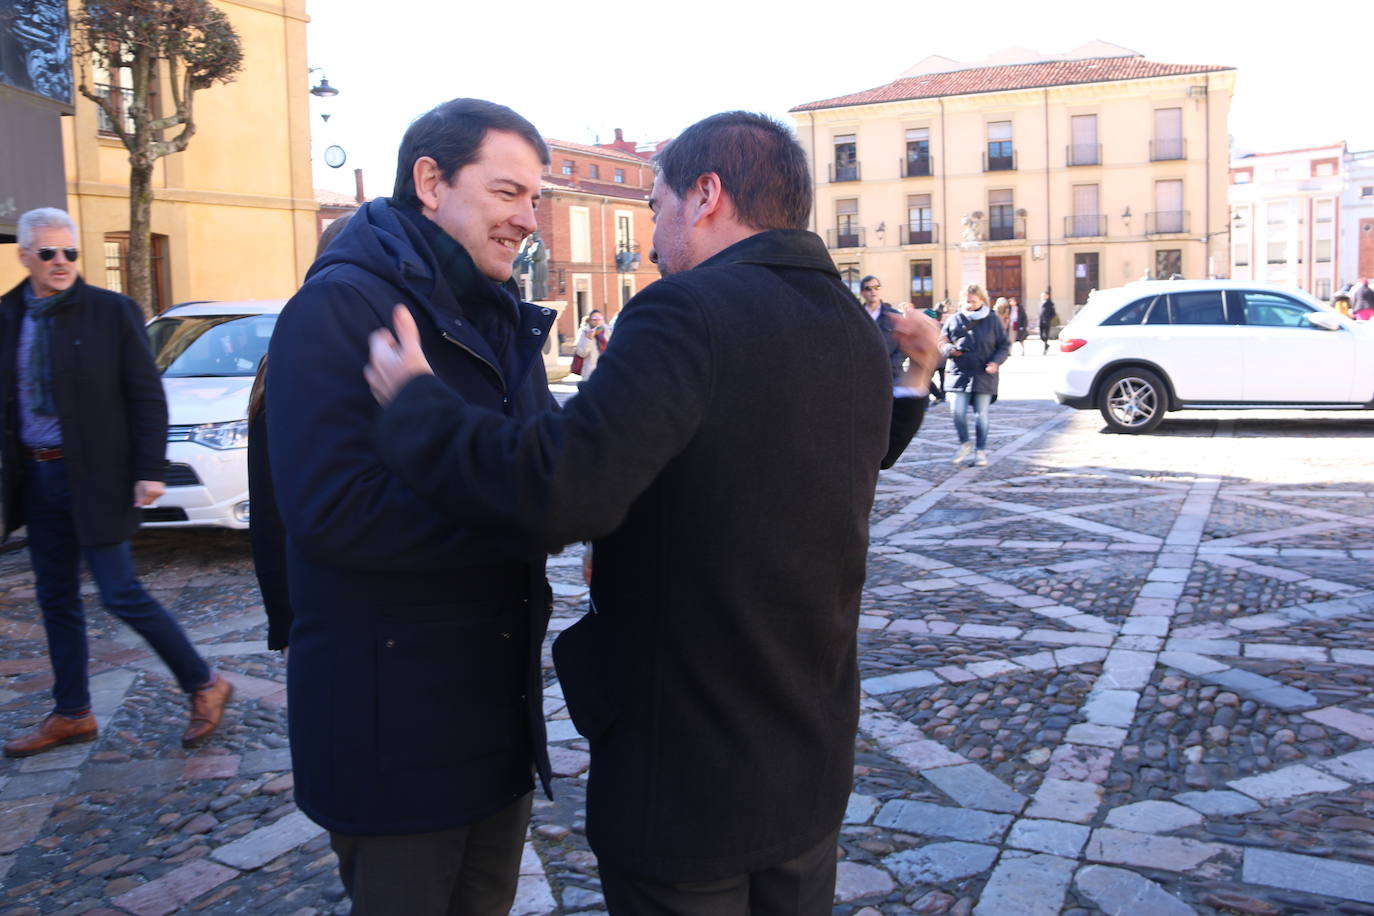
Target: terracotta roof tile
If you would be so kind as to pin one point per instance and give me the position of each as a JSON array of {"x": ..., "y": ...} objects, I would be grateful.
[
  {"x": 597, "y": 188},
  {"x": 1017, "y": 76},
  {"x": 608, "y": 152}
]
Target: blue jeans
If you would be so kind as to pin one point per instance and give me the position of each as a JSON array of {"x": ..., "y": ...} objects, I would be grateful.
[
  {"x": 959, "y": 403},
  {"x": 56, "y": 557}
]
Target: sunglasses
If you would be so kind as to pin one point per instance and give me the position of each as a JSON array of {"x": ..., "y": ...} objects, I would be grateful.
[
  {"x": 870, "y": 289},
  {"x": 48, "y": 252}
]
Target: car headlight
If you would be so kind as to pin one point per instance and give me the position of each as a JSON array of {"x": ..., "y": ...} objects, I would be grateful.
[{"x": 233, "y": 434}]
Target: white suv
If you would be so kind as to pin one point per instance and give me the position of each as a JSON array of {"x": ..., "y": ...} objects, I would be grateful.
[
  {"x": 208, "y": 353},
  {"x": 1145, "y": 348}
]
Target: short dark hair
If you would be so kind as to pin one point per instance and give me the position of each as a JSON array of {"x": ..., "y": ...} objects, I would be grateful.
[
  {"x": 760, "y": 164},
  {"x": 451, "y": 134},
  {"x": 864, "y": 282}
]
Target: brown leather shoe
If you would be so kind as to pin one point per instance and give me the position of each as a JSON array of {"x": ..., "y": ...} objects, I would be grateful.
[
  {"x": 54, "y": 731},
  {"x": 207, "y": 708}
]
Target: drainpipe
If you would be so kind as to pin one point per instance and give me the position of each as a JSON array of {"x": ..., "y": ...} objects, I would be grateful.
[
  {"x": 815, "y": 217},
  {"x": 1207, "y": 164},
  {"x": 1049, "y": 245},
  {"x": 605, "y": 293},
  {"x": 944, "y": 199}
]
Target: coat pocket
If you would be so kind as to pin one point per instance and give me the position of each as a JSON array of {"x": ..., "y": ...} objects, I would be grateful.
[{"x": 579, "y": 654}]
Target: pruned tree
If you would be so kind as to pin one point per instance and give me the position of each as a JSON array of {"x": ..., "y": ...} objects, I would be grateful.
[{"x": 189, "y": 43}]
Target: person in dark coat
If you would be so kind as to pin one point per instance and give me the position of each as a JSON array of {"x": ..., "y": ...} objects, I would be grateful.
[
  {"x": 1362, "y": 300},
  {"x": 870, "y": 293},
  {"x": 976, "y": 343},
  {"x": 727, "y": 486},
  {"x": 414, "y": 675},
  {"x": 1046, "y": 320},
  {"x": 85, "y": 440}
]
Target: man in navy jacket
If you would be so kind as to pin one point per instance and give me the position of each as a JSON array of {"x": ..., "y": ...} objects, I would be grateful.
[
  {"x": 414, "y": 668},
  {"x": 724, "y": 458}
]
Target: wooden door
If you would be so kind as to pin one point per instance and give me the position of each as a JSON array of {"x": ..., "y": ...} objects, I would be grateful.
[{"x": 1004, "y": 277}]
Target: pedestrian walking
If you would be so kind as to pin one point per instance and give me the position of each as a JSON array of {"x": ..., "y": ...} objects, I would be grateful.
[
  {"x": 414, "y": 675},
  {"x": 85, "y": 424},
  {"x": 976, "y": 348},
  {"x": 717, "y": 679},
  {"x": 592, "y": 338},
  {"x": 1362, "y": 300},
  {"x": 1046, "y": 320},
  {"x": 870, "y": 291},
  {"x": 1020, "y": 324}
]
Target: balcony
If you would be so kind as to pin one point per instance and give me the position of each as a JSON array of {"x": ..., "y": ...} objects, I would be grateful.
[
  {"x": 1085, "y": 225},
  {"x": 1083, "y": 154},
  {"x": 1005, "y": 230},
  {"x": 923, "y": 167},
  {"x": 920, "y": 233},
  {"x": 999, "y": 162},
  {"x": 844, "y": 171},
  {"x": 1170, "y": 148},
  {"x": 1165, "y": 222},
  {"x": 123, "y": 99},
  {"x": 845, "y": 237}
]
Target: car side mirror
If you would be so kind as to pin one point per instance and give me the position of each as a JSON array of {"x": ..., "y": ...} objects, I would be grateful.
[{"x": 1323, "y": 320}]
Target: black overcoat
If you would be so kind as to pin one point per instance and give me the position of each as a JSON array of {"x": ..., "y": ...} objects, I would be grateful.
[
  {"x": 416, "y": 702},
  {"x": 724, "y": 458},
  {"x": 110, "y": 404}
]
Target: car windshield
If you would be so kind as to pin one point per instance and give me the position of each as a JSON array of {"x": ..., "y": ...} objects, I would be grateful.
[{"x": 210, "y": 345}]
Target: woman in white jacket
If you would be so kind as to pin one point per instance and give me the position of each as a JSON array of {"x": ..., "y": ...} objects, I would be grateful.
[{"x": 591, "y": 342}]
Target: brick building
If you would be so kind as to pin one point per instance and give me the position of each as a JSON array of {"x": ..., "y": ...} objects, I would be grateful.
[{"x": 594, "y": 219}]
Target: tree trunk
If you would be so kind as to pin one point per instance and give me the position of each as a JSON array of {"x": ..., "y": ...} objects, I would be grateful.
[{"x": 140, "y": 240}]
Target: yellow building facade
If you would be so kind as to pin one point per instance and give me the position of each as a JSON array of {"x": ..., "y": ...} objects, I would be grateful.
[
  {"x": 1068, "y": 174},
  {"x": 233, "y": 216}
]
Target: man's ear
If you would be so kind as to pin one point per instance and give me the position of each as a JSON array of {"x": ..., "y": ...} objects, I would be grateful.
[
  {"x": 427, "y": 177},
  {"x": 707, "y": 197}
]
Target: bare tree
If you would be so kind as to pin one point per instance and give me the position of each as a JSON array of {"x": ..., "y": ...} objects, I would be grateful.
[{"x": 189, "y": 42}]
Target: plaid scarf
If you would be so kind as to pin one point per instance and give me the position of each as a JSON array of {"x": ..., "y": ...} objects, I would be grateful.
[{"x": 40, "y": 355}]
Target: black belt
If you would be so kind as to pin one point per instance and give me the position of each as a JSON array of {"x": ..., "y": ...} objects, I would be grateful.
[{"x": 45, "y": 454}]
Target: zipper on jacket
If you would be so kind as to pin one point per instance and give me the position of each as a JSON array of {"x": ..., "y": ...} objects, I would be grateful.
[{"x": 500, "y": 379}]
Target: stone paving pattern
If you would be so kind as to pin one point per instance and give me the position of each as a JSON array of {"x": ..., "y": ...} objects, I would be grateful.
[{"x": 1105, "y": 675}]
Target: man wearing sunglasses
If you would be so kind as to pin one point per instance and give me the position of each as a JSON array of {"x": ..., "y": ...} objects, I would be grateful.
[{"x": 85, "y": 436}]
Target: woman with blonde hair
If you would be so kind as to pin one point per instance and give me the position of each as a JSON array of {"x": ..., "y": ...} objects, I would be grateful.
[{"x": 975, "y": 347}]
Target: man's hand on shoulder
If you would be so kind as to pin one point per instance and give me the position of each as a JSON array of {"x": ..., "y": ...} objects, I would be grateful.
[
  {"x": 395, "y": 359},
  {"x": 147, "y": 492}
]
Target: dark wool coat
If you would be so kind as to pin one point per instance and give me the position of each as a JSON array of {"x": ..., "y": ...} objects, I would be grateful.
[
  {"x": 724, "y": 459},
  {"x": 985, "y": 342},
  {"x": 414, "y": 675},
  {"x": 895, "y": 357},
  {"x": 110, "y": 404}
]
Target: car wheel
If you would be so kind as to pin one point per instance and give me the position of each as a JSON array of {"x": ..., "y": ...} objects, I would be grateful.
[{"x": 1132, "y": 401}]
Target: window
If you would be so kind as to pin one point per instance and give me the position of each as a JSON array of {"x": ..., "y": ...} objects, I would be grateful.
[
  {"x": 847, "y": 224},
  {"x": 1083, "y": 150},
  {"x": 119, "y": 86},
  {"x": 1321, "y": 288},
  {"x": 1085, "y": 221},
  {"x": 1168, "y": 263},
  {"x": 580, "y": 234},
  {"x": 1000, "y": 156},
  {"x": 593, "y": 171},
  {"x": 1321, "y": 250},
  {"x": 922, "y": 284},
  {"x": 1241, "y": 217},
  {"x": 1169, "y": 215},
  {"x": 919, "y": 228},
  {"x": 1323, "y": 168},
  {"x": 918, "y": 152},
  {"x": 619, "y": 176},
  {"x": 1277, "y": 212},
  {"x": 1203, "y": 307},
  {"x": 1133, "y": 313},
  {"x": 1168, "y": 141},
  {"x": 117, "y": 267},
  {"x": 1324, "y": 211},
  {"x": 1277, "y": 253},
  {"x": 1242, "y": 176},
  {"x": 1367, "y": 190},
  {"x": 1241, "y": 258},
  {"x": 849, "y": 274},
  {"x": 1270, "y": 310},
  {"x": 846, "y": 158},
  {"x": 1001, "y": 216},
  {"x": 567, "y": 166}
]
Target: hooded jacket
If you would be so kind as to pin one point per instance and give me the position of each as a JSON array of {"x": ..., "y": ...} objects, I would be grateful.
[{"x": 414, "y": 674}]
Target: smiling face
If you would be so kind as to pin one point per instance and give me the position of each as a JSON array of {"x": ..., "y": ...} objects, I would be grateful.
[
  {"x": 48, "y": 277},
  {"x": 488, "y": 207}
]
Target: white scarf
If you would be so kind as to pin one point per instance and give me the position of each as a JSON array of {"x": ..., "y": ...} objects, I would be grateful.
[{"x": 974, "y": 314}]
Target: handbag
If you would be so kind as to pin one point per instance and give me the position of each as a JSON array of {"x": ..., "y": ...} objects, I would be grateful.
[{"x": 577, "y": 365}]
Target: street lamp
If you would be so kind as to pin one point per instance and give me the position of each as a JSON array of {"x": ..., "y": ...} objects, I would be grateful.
[{"x": 322, "y": 90}]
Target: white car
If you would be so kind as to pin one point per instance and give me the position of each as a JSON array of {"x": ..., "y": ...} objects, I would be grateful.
[
  {"x": 208, "y": 354},
  {"x": 1139, "y": 350}
]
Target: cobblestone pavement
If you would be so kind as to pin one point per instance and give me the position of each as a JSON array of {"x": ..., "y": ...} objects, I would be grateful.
[{"x": 1103, "y": 675}]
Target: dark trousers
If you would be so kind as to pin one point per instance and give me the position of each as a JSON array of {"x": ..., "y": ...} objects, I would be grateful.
[
  {"x": 467, "y": 871},
  {"x": 804, "y": 886},
  {"x": 56, "y": 556}
]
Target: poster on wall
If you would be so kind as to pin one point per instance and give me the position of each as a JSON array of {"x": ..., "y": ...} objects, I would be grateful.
[{"x": 35, "y": 52}]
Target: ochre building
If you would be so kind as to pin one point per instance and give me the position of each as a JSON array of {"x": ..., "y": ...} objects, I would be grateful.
[
  {"x": 233, "y": 215},
  {"x": 1081, "y": 171}
]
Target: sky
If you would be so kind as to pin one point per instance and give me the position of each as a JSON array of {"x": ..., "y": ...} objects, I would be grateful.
[{"x": 578, "y": 71}]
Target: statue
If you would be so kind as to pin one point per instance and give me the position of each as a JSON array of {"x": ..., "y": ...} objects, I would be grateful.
[
  {"x": 973, "y": 230},
  {"x": 532, "y": 263}
]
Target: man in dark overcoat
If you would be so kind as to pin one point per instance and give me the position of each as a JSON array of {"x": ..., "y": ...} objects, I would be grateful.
[
  {"x": 414, "y": 668},
  {"x": 85, "y": 440},
  {"x": 723, "y": 459}
]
